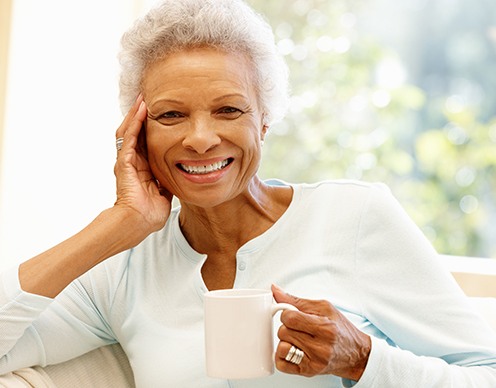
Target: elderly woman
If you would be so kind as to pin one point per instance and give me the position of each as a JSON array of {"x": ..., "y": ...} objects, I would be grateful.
[{"x": 376, "y": 310}]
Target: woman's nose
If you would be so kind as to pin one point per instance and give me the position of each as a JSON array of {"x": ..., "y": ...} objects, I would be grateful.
[{"x": 201, "y": 136}]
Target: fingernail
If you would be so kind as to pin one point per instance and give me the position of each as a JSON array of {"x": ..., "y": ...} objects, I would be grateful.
[
  {"x": 277, "y": 287},
  {"x": 141, "y": 106},
  {"x": 138, "y": 98}
]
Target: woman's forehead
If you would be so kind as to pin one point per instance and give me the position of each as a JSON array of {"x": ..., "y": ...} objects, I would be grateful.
[
  {"x": 199, "y": 69},
  {"x": 200, "y": 60}
]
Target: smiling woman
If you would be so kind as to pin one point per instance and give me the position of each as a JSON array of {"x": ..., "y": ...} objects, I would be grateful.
[{"x": 201, "y": 83}]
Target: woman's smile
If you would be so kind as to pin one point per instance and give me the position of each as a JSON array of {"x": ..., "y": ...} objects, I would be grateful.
[
  {"x": 203, "y": 168},
  {"x": 204, "y": 172}
]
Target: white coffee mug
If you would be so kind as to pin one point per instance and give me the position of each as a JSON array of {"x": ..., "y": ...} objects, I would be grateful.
[{"x": 239, "y": 341}]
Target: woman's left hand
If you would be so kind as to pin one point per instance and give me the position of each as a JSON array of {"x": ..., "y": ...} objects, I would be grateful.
[{"x": 331, "y": 343}]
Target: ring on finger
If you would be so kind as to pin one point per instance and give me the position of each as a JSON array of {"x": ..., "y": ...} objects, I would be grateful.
[
  {"x": 295, "y": 355},
  {"x": 118, "y": 143}
]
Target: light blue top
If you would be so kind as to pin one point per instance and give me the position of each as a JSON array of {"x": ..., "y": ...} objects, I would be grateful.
[{"x": 347, "y": 242}]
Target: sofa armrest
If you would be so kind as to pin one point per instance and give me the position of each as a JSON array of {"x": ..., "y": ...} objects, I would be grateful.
[
  {"x": 107, "y": 366},
  {"x": 101, "y": 368}
]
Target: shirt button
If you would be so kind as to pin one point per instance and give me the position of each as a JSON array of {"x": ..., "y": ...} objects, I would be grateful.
[{"x": 242, "y": 266}]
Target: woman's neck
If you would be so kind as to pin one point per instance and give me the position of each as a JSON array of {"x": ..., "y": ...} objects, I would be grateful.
[{"x": 222, "y": 230}]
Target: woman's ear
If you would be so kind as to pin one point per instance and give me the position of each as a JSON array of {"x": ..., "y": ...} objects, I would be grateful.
[
  {"x": 263, "y": 133},
  {"x": 265, "y": 128}
]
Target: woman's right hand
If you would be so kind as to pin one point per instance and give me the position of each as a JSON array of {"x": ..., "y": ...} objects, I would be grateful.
[{"x": 138, "y": 192}]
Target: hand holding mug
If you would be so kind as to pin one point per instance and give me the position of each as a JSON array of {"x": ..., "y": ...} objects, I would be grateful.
[{"x": 330, "y": 342}]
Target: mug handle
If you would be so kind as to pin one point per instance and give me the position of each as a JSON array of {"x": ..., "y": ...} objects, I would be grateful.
[{"x": 282, "y": 306}]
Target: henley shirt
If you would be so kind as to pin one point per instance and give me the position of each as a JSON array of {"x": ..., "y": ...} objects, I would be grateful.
[{"x": 348, "y": 242}]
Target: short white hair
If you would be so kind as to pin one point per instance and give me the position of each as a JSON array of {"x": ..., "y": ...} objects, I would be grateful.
[{"x": 228, "y": 25}]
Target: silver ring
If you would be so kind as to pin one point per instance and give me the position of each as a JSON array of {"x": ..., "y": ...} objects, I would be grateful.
[
  {"x": 118, "y": 143},
  {"x": 295, "y": 355}
]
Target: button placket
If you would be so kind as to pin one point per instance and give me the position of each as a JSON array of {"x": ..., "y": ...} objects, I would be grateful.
[
  {"x": 241, "y": 265},
  {"x": 242, "y": 269}
]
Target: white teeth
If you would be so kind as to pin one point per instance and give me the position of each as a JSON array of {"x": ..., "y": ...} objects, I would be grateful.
[{"x": 205, "y": 169}]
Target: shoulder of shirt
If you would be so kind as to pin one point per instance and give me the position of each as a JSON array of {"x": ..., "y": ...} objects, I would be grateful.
[{"x": 342, "y": 184}]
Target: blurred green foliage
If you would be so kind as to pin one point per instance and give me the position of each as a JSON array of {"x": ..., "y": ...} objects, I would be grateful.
[{"x": 359, "y": 112}]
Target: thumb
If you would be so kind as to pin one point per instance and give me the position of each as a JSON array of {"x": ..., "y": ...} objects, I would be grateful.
[
  {"x": 282, "y": 296},
  {"x": 309, "y": 306}
]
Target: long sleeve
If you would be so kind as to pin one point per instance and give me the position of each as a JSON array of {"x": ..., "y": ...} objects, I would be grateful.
[
  {"x": 389, "y": 365},
  {"x": 36, "y": 330},
  {"x": 18, "y": 310},
  {"x": 414, "y": 301}
]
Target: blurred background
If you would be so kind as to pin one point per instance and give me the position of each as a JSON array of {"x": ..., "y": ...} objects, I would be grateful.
[
  {"x": 402, "y": 92},
  {"x": 398, "y": 92}
]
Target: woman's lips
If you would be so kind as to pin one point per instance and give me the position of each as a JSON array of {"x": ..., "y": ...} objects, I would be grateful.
[{"x": 205, "y": 168}]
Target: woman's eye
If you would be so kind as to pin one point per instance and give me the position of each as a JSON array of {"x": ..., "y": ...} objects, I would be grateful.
[
  {"x": 170, "y": 118},
  {"x": 230, "y": 112},
  {"x": 171, "y": 115}
]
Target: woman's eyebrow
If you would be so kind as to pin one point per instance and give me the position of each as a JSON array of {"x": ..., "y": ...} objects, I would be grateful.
[
  {"x": 168, "y": 100},
  {"x": 225, "y": 96},
  {"x": 156, "y": 104}
]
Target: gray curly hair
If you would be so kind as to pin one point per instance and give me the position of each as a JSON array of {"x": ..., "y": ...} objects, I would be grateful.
[{"x": 229, "y": 25}]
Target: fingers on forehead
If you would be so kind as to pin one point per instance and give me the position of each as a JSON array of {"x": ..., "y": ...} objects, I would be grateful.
[{"x": 134, "y": 119}]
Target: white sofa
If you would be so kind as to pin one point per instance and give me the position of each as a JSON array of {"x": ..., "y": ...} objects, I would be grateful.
[
  {"x": 477, "y": 278},
  {"x": 100, "y": 368},
  {"x": 109, "y": 366}
]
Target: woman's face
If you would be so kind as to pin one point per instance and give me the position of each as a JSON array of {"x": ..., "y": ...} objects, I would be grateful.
[{"x": 204, "y": 125}]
